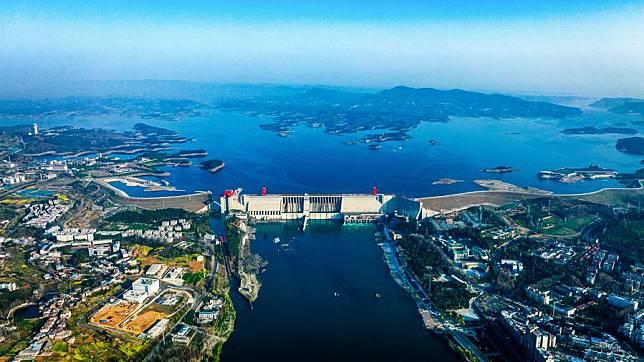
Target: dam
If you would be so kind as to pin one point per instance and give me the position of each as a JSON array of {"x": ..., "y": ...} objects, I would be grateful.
[{"x": 351, "y": 208}]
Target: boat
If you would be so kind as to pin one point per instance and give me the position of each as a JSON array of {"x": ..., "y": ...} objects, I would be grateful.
[
  {"x": 276, "y": 240},
  {"x": 375, "y": 147},
  {"x": 378, "y": 295},
  {"x": 336, "y": 294}
]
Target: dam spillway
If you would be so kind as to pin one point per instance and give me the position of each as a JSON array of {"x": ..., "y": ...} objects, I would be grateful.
[{"x": 347, "y": 207}]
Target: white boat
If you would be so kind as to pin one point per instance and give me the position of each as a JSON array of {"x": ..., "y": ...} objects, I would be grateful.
[{"x": 276, "y": 240}]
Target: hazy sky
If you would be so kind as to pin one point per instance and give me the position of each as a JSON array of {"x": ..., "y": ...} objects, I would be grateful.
[{"x": 593, "y": 48}]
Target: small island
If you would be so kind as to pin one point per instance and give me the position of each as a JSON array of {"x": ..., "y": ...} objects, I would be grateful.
[
  {"x": 213, "y": 165},
  {"x": 192, "y": 153},
  {"x": 446, "y": 181},
  {"x": 497, "y": 185},
  {"x": 499, "y": 169},
  {"x": 577, "y": 174},
  {"x": 595, "y": 130},
  {"x": 634, "y": 145}
]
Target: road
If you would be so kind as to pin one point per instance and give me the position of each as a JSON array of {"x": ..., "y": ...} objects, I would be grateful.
[{"x": 465, "y": 342}]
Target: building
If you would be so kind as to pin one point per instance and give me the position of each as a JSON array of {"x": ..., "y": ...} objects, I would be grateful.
[
  {"x": 210, "y": 311},
  {"x": 99, "y": 251},
  {"x": 14, "y": 180},
  {"x": 30, "y": 352},
  {"x": 622, "y": 305},
  {"x": 207, "y": 316},
  {"x": 158, "y": 328},
  {"x": 147, "y": 286},
  {"x": 135, "y": 296},
  {"x": 566, "y": 310},
  {"x": 534, "y": 341},
  {"x": 74, "y": 235},
  {"x": 183, "y": 335},
  {"x": 609, "y": 263},
  {"x": 514, "y": 266},
  {"x": 537, "y": 296},
  {"x": 9, "y": 286},
  {"x": 454, "y": 249},
  {"x": 156, "y": 270},
  {"x": 175, "y": 276}
]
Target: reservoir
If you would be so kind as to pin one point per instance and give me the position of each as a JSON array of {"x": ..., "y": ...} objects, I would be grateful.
[
  {"x": 28, "y": 312},
  {"x": 318, "y": 302},
  {"x": 315, "y": 162}
]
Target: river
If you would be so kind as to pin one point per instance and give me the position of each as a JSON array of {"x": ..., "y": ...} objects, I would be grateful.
[{"x": 318, "y": 302}]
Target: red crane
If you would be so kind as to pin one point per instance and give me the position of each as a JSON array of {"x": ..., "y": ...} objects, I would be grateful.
[
  {"x": 264, "y": 191},
  {"x": 374, "y": 191}
]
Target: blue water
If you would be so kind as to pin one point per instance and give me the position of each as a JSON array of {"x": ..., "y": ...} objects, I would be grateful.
[
  {"x": 312, "y": 161},
  {"x": 33, "y": 192},
  {"x": 28, "y": 312},
  {"x": 297, "y": 316}
]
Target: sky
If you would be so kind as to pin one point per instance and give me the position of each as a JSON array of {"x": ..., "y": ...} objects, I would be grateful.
[{"x": 588, "y": 48}]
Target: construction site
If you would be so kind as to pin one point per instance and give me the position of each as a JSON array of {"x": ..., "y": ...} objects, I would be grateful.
[{"x": 138, "y": 318}]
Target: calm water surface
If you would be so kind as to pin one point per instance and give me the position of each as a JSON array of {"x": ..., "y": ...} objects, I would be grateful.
[
  {"x": 297, "y": 316},
  {"x": 312, "y": 161}
]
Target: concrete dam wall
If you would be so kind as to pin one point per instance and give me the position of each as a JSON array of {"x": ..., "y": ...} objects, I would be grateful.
[{"x": 350, "y": 207}]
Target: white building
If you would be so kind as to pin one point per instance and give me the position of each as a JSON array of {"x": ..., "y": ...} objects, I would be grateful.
[
  {"x": 148, "y": 286},
  {"x": 158, "y": 328},
  {"x": 135, "y": 296},
  {"x": 8, "y": 286},
  {"x": 156, "y": 270}
]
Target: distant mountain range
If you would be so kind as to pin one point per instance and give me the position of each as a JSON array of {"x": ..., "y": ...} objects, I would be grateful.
[
  {"x": 428, "y": 102},
  {"x": 336, "y": 110},
  {"x": 621, "y": 105},
  {"x": 398, "y": 109}
]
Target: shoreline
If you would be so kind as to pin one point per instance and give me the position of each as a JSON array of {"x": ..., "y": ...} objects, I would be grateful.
[
  {"x": 216, "y": 169},
  {"x": 249, "y": 284}
]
